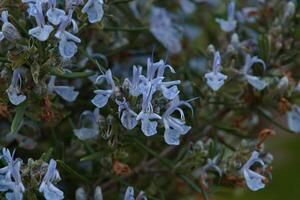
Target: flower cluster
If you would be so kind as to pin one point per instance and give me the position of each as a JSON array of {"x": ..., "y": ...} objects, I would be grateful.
[
  {"x": 62, "y": 19},
  {"x": 11, "y": 178},
  {"x": 63, "y": 61},
  {"x": 143, "y": 89},
  {"x": 215, "y": 79}
]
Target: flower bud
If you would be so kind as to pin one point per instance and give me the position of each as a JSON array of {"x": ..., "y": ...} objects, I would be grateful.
[{"x": 211, "y": 49}]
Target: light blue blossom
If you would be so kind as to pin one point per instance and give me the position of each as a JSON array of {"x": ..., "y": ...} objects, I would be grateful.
[
  {"x": 254, "y": 180},
  {"x": 8, "y": 30},
  {"x": 187, "y": 6},
  {"x": 164, "y": 31},
  {"x": 293, "y": 118},
  {"x": 127, "y": 115},
  {"x": 81, "y": 194},
  {"x": 14, "y": 90},
  {"x": 42, "y": 31},
  {"x": 102, "y": 96},
  {"x": 202, "y": 172},
  {"x": 134, "y": 84},
  {"x": 54, "y": 14},
  {"x": 215, "y": 79},
  {"x": 88, "y": 124},
  {"x": 229, "y": 24},
  {"x": 10, "y": 177},
  {"x": 98, "y": 193},
  {"x": 67, "y": 44},
  {"x": 129, "y": 194},
  {"x": 154, "y": 80},
  {"x": 169, "y": 89},
  {"x": 210, "y": 164},
  {"x": 94, "y": 10},
  {"x": 47, "y": 187},
  {"x": 255, "y": 81},
  {"x": 1, "y": 36},
  {"x": 68, "y": 93},
  {"x": 147, "y": 116},
  {"x": 175, "y": 127}
]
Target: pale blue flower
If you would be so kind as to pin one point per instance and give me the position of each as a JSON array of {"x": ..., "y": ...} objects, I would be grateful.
[
  {"x": 127, "y": 115},
  {"x": 175, "y": 127},
  {"x": 162, "y": 28},
  {"x": 94, "y": 10},
  {"x": 211, "y": 164},
  {"x": 229, "y": 24},
  {"x": 54, "y": 14},
  {"x": 8, "y": 30},
  {"x": 129, "y": 194},
  {"x": 88, "y": 124},
  {"x": 68, "y": 93},
  {"x": 187, "y": 6},
  {"x": 1, "y": 36},
  {"x": 293, "y": 118},
  {"x": 154, "y": 80},
  {"x": 67, "y": 44},
  {"x": 215, "y": 79},
  {"x": 254, "y": 180},
  {"x": 134, "y": 84},
  {"x": 147, "y": 116},
  {"x": 102, "y": 96},
  {"x": 169, "y": 89},
  {"x": 47, "y": 187},
  {"x": 14, "y": 90},
  {"x": 42, "y": 31},
  {"x": 10, "y": 177},
  {"x": 255, "y": 81},
  {"x": 81, "y": 194},
  {"x": 98, "y": 193}
]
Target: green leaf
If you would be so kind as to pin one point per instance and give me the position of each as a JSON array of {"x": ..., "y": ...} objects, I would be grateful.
[
  {"x": 153, "y": 153},
  {"x": 264, "y": 47},
  {"x": 93, "y": 156},
  {"x": 18, "y": 118},
  {"x": 46, "y": 156},
  {"x": 62, "y": 74}
]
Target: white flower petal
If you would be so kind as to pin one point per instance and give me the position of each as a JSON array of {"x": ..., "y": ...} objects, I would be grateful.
[
  {"x": 101, "y": 98},
  {"x": 66, "y": 92},
  {"x": 41, "y": 33},
  {"x": 55, "y": 15},
  {"x": 94, "y": 10},
  {"x": 293, "y": 118},
  {"x": 149, "y": 127},
  {"x": 256, "y": 82},
  {"x": 129, "y": 195},
  {"x": 86, "y": 133}
]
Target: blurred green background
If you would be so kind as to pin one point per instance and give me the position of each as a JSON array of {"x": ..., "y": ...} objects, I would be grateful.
[{"x": 286, "y": 173}]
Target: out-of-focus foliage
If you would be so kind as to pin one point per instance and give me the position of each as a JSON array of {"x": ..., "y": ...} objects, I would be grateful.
[{"x": 145, "y": 98}]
